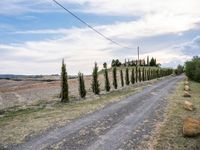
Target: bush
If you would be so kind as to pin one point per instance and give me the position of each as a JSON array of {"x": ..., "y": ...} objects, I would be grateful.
[
  {"x": 95, "y": 82},
  {"x": 152, "y": 62},
  {"x": 64, "y": 84},
  {"x": 179, "y": 70},
  {"x": 192, "y": 69},
  {"x": 116, "y": 63},
  {"x": 82, "y": 91},
  {"x": 115, "y": 77}
]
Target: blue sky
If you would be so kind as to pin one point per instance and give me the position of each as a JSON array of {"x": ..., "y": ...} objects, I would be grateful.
[{"x": 36, "y": 34}]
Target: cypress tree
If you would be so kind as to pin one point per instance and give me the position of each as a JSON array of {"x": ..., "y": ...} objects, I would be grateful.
[
  {"x": 115, "y": 77},
  {"x": 64, "y": 84},
  {"x": 132, "y": 76},
  {"x": 136, "y": 74},
  {"x": 82, "y": 91},
  {"x": 143, "y": 74},
  {"x": 157, "y": 73},
  {"x": 107, "y": 83},
  {"x": 148, "y": 74},
  {"x": 127, "y": 77},
  {"x": 139, "y": 71},
  {"x": 147, "y": 60},
  {"x": 122, "y": 78},
  {"x": 95, "y": 82}
]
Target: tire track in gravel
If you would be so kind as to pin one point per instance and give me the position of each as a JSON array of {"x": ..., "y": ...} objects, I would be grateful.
[{"x": 107, "y": 128}]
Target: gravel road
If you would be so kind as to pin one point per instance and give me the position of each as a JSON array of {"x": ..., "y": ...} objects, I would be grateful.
[{"x": 120, "y": 125}]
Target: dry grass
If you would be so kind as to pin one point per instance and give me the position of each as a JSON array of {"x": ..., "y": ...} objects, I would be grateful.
[
  {"x": 170, "y": 132},
  {"x": 17, "y": 125}
]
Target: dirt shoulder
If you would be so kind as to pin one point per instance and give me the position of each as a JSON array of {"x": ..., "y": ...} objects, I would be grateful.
[{"x": 168, "y": 134}]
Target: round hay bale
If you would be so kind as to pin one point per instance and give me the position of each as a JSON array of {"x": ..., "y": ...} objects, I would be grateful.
[
  {"x": 186, "y": 79},
  {"x": 186, "y": 94},
  {"x": 191, "y": 127},
  {"x": 188, "y": 105},
  {"x": 186, "y": 83},
  {"x": 186, "y": 88}
]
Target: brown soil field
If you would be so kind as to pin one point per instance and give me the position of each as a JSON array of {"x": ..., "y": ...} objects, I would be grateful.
[{"x": 21, "y": 93}]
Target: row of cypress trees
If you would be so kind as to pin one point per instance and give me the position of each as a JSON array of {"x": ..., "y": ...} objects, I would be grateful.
[{"x": 138, "y": 74}]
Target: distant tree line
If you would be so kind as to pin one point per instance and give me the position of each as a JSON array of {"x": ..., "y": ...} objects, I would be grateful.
[
  {"x": 132, "y": 75},
  {"x": 192, "y": 69},
  {"x": 179, "y": 70},
  {"x": 128, "y": 63}
]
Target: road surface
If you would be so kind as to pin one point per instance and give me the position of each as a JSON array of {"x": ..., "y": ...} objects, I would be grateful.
[{"x": 120, "y": 125}]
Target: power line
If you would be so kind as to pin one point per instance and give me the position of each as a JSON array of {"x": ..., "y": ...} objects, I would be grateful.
[{"x": 89, "y": 26}]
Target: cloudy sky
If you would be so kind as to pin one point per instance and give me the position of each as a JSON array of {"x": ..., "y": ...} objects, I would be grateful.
[{"x": 36, "y": 34}]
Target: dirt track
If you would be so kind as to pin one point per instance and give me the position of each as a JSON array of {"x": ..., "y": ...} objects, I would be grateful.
[{"x": 121, "y": 125}]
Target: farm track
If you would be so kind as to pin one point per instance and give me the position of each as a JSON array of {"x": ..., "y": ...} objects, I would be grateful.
[{"x": 120, "y": 125}]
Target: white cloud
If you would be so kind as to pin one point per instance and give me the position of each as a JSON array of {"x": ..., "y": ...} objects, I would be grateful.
[{"x": 81, "y": 47}]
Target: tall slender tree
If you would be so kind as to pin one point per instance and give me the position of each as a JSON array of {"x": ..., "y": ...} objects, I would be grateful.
[
  {"x": 115, "y": 77},
  {"x": 107, "y": 82},
  {"x": 136, "y": 74},
  {"x": 132, "y": 76},
  {"x": 122, "y": 78},
  {"x": 82, "y": 91},
  {"x": 127, "y": 76},
  {"x": 143, "y": 74},
  {"x": 147, "y": 60},
  {"x": 148, "y": 74},
  {"x": 64, "y": 84},
  {"x": 95, "y": 81},
  {"x": 139, "y": 72}
]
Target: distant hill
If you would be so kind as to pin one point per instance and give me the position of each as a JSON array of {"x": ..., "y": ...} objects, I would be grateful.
[
  {"x": 11, "y": 76},
  {"x": 53, "y": 77}
]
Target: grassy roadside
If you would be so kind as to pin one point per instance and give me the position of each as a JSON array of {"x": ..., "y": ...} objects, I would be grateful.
[
  {"x": 169, "y": 134},
  {"x": 17, "y": 125}
]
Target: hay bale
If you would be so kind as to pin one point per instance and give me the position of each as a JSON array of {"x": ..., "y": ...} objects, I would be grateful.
[
  {"x": 188, "y": 105},
  {"x": 191, "y": 127},
  {"x": 186, "y": 94},
  {"x": 186, "y": 83},
  {"x": 186, "y": 88}
]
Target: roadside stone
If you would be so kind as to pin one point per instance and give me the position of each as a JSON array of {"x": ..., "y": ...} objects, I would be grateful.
[{"x": 191, "y": 127}]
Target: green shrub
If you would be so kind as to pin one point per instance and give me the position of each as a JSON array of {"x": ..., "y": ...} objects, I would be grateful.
[{"x": 192, "y": 69}]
